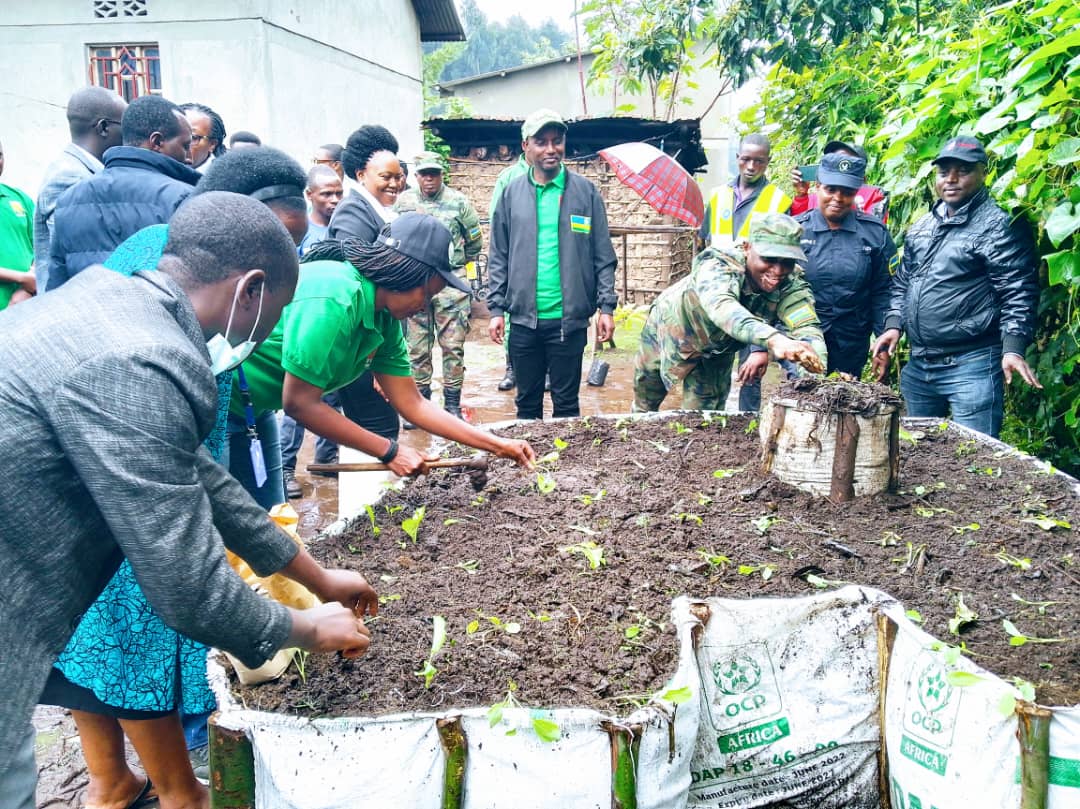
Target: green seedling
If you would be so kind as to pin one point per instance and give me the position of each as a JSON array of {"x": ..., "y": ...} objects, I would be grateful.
[
  {"x": 411, "y": 525},
  {"x": 1046, "y": 522},
  {"x": 542, "y": 617},
  {"x": 1014, "y": 561},
  {"x": 766, "y": 571},
  {"x": 751, "y": 427},
  {"x": 965, "y": 448},
  {"x": 821, "y": 583},
  {"x": 386, "y": 599},
  {"x": 438, "y": 639},
  {"x": 709, "y": 421},
  {"x": 703, "y": 499},
  {"x": 680, "y": 428},
  {"x": 300, "y": 658},
  {"x": 890, "y": 538},
  {"x": 470, "y": 566},
  {"x": 545, "y": 484},
  {"x": 922, "y": 491},
  {"x": 721, "y": 474},
  {"x": 988, "y": 471},
  {"x": 392, "y": 510},
  {"x": 685, "y": 517},
  {"x": 550, "y": 458},
  {"x": 590, "y": 550},
  {"x": 1067, "y": 559},
  {"x": 589, "y": 499},
  {"x": 715, "y": 559},
  {"x": 963, "y": 529},
  {"x": 915, "y": 557},
  {"x": 375, "y": 529},
  {"x": 911, "y": 437},
  {"x": 560, "y": 444},
  {"x": 964, "y": 615},
  {"x": 660, "y": 446},
  {"x": 930, "y": 511},
  {"x": 676, "y": 696},
  {"x": 1040, "y": 606},
  {"x": 584, "y": 529},
  {"x": 479, "y": 500},
  {"x": 509, "y": 627},
  {"x": 1021, "y": 689},
  {"x": 450, "y": 521},
  {"x": 914, "y": 616},
  {"x": 544, "y": 728},
  {"x": 1018, "y": 638},
  {"x": 763, "y": 523}
]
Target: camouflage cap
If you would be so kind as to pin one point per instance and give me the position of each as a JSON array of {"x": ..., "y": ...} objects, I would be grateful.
[
  {"x": 538, "y": 120},
  {"x": 427, "y": 161},
  {"x": 776, "y": 235}
]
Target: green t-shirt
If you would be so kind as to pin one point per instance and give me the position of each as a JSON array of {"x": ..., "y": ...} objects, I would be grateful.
[
  {"x": 16, "y": 236},
  {"x": 328, "y": 336},
  {"x": 548, "y": 280}
]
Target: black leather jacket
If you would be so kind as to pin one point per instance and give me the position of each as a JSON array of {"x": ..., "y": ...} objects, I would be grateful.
[{"x": 966, "y": 281}]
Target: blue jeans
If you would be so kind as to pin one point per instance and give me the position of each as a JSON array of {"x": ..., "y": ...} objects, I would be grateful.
[
  {"x": 237, "y": 458},
  {"x": 969, "y": 385},
  {"x": 292, "y": 438}
]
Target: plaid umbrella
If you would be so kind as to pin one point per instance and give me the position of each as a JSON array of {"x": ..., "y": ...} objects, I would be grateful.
[{"x": 658, "y": 179}]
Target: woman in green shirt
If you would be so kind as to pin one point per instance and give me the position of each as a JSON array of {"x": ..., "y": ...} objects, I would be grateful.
[{"x": 344, "y": 320}]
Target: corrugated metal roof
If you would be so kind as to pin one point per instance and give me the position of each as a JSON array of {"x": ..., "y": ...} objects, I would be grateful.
[
  {"x": 572, "y": 57},
  {"x": 439, "y": 21}
]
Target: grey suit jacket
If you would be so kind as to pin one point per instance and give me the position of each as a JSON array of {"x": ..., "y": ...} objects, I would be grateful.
[
  {"x": 73, "y": 165},
  {"x": 102, "y": 458}
]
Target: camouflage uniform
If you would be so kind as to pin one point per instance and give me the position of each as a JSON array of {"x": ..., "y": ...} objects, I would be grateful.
[
  {"x": 447, "y": 316},
  {"x": 697, "y": 326}
]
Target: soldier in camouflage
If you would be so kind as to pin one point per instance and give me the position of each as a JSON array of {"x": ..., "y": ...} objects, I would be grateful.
[
  {"x": 731, "y": 297},
  {"x": 447, "y": 317}
]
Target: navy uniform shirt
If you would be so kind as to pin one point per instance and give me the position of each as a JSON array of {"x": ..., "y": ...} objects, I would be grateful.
[{"x": 850, "y": 272}]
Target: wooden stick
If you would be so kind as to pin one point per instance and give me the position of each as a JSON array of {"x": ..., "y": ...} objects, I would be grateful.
[
  {"x": 456, "y": 752},
  {"x": 886, "y": 637},
  {"x": 1033, "y": 733},
  {"x": 843, "y": 468},
  {"x": 894, "y": 452},
  {"x": 778, "y": 413},
  {"x": 374, "y": 466}
]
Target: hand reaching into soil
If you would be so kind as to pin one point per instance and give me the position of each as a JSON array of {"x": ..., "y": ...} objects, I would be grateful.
[
  {"x": 329, "y": 628},
  {"x": 518, "y": 451},
  {"x": 349, "y": 589},
  {"x": 784, "y": 348},
  {"x": 883, "y": 349}
]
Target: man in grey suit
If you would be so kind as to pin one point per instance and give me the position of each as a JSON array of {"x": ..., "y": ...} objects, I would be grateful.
[
  {"x": 93, "y": 115},
  {"x": 103, "y": 459}
]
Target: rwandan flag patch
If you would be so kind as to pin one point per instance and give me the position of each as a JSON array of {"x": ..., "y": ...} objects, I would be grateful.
[
  {"x": 894, "y": 265},
  {"x": 800, "y": 316},
  {"x": 474, "y": 233},
  {"x": 581, "y": 224}
]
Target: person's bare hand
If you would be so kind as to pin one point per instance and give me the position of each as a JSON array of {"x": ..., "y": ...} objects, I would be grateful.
[
  {"x": 496, "y": 328},
  {"x": 1011, "y": 363},
  {"x": 754, "y": 367},
  {"x": 801, "y": 188},
  {"x": 409, "y": 462},
  {"x": 331, "y": 628},
  {"x": 784, "y": 348},
  {"x": 350, "y": 589},
  {"x": 518, "y": 451},
  {"x": 880, "y": 364},
  {"x": 20, "y": 295},
  {"x": 605, "y": 328}
]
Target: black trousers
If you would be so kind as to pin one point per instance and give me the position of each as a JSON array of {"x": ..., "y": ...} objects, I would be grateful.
[
  {"x": 361, "y": 403},
  {"x": 547, "y": 350}
]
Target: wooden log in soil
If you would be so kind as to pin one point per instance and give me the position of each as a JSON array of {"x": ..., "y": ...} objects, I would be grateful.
[{"x": 642, "y": 511}]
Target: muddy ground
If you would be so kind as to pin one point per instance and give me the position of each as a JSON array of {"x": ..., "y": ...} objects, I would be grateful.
[{"x": 678, "y": 507}]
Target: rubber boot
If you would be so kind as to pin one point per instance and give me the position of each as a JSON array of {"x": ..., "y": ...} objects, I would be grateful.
[
  {"x": 508, "y": 382},
  {"x": 452, "y": 401},
  {"x": 425, "y": 391}
]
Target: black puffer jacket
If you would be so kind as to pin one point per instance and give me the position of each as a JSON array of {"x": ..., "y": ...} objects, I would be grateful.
[{"x": 966, "y": 281}]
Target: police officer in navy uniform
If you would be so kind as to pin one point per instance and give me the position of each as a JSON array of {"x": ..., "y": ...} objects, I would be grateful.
[{"x": 850, "y": 261}]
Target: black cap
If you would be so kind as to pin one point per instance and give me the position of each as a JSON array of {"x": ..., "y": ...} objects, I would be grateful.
[
  {"x": 962, "y": 147},
  {"x": 426, "y": 239},
  {"x": 842, "y": 170},
  {"x": 836, "y": 145}
]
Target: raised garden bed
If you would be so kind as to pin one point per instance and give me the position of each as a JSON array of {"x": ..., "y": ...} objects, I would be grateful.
[{"x": 557, "y": 587}]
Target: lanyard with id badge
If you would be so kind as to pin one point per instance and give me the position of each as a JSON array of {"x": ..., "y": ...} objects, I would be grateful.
[{"x": 258, "y": 462}]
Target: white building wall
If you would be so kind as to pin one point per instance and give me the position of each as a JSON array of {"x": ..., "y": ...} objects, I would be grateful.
[{"x": 298, "y": 78}]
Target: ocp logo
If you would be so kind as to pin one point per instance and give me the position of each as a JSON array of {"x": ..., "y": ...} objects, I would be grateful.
[
  {"x": 932, "y": 703},
  {"x": 934, "y": 690},
  {"x": 736, "y": 675}
]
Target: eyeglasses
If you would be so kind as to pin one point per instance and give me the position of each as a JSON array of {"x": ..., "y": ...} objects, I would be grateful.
[{"x": 199, "y": 138}]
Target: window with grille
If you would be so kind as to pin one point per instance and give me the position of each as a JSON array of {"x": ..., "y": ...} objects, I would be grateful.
[
  {"x": 129, "y": 70},
  {"x": 111, "y": 9}
]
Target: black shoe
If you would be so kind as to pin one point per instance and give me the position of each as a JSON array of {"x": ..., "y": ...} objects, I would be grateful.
[
  {"x": 508, "y": 382},
  {"x": 292, "y": 485},
  {"x": 425, "y": 391},
  {"x": 452, "y": 401}
]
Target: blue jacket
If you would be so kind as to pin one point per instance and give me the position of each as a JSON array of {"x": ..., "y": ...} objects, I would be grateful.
[{"x": 137, "y": 188}]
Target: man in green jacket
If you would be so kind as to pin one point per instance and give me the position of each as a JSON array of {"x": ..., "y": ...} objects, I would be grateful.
[
  {"x": 731, "y": 298},
  {"x": 551, "y": 266}
]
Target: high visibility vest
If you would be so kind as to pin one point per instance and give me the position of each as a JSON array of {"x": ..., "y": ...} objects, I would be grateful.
[{"x": 722, "y": 212}]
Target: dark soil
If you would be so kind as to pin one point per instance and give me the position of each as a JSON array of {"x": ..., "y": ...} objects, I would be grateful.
[{"x": 678, "y": 507}]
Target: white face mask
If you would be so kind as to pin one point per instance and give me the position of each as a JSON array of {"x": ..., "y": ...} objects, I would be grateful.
[{"x": 224, "y": 356}]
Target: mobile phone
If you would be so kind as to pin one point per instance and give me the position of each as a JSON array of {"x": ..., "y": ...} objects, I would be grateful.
[{"x": 809, "y": 173}]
